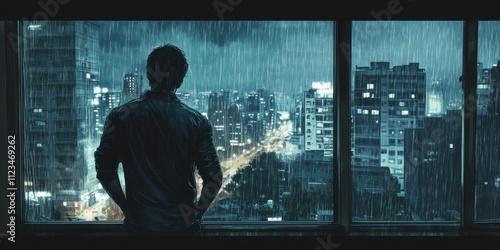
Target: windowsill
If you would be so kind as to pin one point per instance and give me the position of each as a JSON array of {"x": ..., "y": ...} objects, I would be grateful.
[
  {"x": 258, "y": 236},
  {"x": 113, "y": 228}
]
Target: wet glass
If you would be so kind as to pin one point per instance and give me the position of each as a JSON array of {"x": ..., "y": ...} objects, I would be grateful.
[
  {"x": 487, "y": 169},
  {"x": 406, "y": 120},
  {"x": 266, "y": 86}
]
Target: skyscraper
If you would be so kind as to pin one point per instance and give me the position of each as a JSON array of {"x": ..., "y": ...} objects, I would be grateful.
[
  {"x": 488, "y": 89},
  {"x": 385, "y": 102},
  {"x": 484, "y": 88},
  {"x": 318, "y": 115},
  {"x": 487, "y": 168},
  {"x": 132, "y": 86},
  {"x": 104, "y": 101},
  {"x": 435, "y": 100},
  {"x": 217, "y": 115},
  {"x": 433, "y": 165},
  {"x": 62, "y": 63}
]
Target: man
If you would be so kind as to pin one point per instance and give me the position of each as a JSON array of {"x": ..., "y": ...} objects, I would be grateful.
[{"x": 162, "y": 143}]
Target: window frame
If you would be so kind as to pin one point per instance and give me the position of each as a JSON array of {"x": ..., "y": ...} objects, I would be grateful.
[{"x": 11, "y": 86}]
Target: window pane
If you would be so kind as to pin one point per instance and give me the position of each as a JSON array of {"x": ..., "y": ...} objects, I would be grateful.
[
  {"x": 266, "y": 86},
  {"x": 406, "y": 129},
  {"x": 487, "y": 205}
]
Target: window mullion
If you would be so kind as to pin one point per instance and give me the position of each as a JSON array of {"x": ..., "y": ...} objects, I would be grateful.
[
  {"x": 343, "y": 123},
  {"x": 469, "y": 87}
]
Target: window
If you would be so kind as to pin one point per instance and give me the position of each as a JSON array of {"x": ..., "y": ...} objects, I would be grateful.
[
  {"x": 293, "y": 71},
  {"x": 417, "y": 163}
]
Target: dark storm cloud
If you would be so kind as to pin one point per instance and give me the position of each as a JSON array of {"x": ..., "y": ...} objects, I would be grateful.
[
  {"x": 223, "y": 33},
  {"x": 120, "y": 35},
  {"x": 244, "y": 55},
  {"x": 220, "y": 33},
  {"x": 436, "y": 46}
]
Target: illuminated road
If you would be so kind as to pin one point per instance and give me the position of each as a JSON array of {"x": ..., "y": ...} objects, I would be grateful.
[{"x": 274, "y": 142}]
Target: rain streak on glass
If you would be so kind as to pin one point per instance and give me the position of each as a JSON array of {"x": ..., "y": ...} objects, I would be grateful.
[
  {"x": 487, "y": 172},
  {"x": 266, "y": 86},
  {"x": 406, "y": 120}
]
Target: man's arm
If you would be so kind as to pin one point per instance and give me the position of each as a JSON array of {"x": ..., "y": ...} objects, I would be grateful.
[
  {"x": 115, "y": 191},
  {"x": 106, "y": 163},
  {"x": 209, "y": 192},
  {"x": 209, "y": 169}
]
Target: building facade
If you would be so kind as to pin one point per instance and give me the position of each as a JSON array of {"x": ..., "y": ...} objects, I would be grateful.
[
  {"x": 386, "y": 101},
  {"x": 132, "y": 86},
  {"x": 62, "y": 62},
  {"x": 318, "y": 121}
]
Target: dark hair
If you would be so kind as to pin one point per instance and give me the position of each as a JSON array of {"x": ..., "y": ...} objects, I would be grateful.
[{"x": 166, "y": 67}]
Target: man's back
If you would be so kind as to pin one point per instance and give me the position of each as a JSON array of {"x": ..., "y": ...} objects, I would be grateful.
[{"x": 161, "y": 140}]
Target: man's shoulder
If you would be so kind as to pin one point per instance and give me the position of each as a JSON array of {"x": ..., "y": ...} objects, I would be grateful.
[
  {"x": 127, "y": 107},
  {"x": 193, "y": 111}
]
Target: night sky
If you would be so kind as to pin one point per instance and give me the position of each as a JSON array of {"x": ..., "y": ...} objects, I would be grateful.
[
  {"x": 282, "y": 56},
  {"x": 286, "y": 56},
  {"x": 436, "y": 45}
]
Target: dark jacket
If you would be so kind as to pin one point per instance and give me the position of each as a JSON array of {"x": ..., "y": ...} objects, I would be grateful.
[{"x": 161, "y": 142}]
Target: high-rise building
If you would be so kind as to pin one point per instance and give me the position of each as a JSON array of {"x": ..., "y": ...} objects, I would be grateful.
[
  {"x": 318, "y": 120},
  {"x": 487, "y": 171},
  {"x": 297, "y": 117},
  {"x": 234, "y": 129},
  {"x": 435, "y": 99},
  {"x": 61, "y": 69},
  {"x": 385, "y": 102},
  {"x": 484, "y": 89},
  {"x": 104, "y": 101},
  {"x": 253, "y": 123},
  {"x": 494, "y": 108},
  {"x": 488, "y": 89},
  {"x": 217, "y": 115},
  {"x": 132, "y": 86},
  {"x": 433, "y": 164},
  {"x": 267, "y": 109}
]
